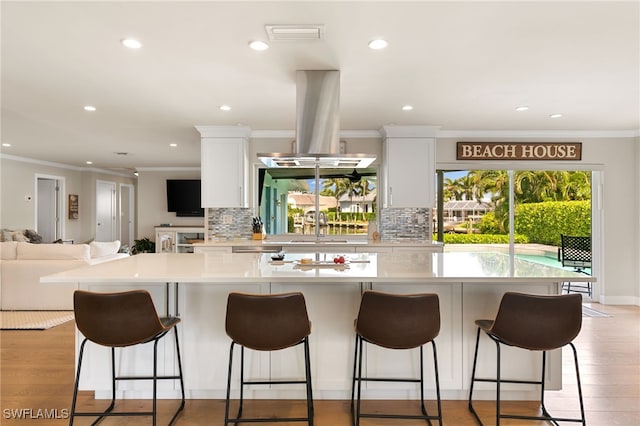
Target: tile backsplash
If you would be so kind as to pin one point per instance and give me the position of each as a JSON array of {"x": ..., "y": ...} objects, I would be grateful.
[
  {"x": 405, "y": 224},
  {"x": 395, "y": 224},
  {"x": 229, "y": 223}
]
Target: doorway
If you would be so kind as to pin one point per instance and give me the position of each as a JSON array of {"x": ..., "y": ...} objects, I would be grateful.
[
  {"x": 127, "y": 214},
  {"x": 49, "y": 207},
  {"x": 105, "y": 210}
]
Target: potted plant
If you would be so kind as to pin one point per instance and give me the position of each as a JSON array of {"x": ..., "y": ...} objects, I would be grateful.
[{"x": 143, "y": 245}]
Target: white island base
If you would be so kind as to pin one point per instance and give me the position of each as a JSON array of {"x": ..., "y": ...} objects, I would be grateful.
[{"x": 195, "y": 287}]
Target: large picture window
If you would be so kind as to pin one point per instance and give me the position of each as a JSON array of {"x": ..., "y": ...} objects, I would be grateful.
[
  {"x": 338, "y": 202},
  {"x": 526, "y": 211}
]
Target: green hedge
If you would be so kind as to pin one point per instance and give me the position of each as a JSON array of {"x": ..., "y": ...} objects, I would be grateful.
[
  {"x": 482, "y": 239},
  {"x": 544, "y": 222}
]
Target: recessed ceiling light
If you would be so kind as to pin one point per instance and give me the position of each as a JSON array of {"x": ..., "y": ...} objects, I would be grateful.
[
  {"x": 89, "y": 162},
  {"x": 7, "y": 145},
  {"x": 89, "y": 108},
  {"x": 378, "y": 44},
  {"x": 225, "y": 107},
  {"x": 173, "y": 145},
  {"x": 558, "y": 115},
  {"x": 407, "y": 107},
  {"x": 131, "y": 43},
  {"x": 258, "y": 45},
  {"x": 522, "y": 108}
]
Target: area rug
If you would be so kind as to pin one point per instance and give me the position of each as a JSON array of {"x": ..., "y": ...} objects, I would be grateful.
[
  {"x": 590, "y": 312},
  {"x": 33, "y": 320}
]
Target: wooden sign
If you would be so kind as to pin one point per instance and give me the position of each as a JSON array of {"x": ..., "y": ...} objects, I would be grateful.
[
  {"x": 73, "y": 206},
  {"x": 548, "y": 151}
]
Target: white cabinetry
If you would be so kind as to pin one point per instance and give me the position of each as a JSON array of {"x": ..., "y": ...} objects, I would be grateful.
[
  {"x": 177, "y": 239},
  {"x": 409, "y": 167},
  {"x": 224, "y": 166}
]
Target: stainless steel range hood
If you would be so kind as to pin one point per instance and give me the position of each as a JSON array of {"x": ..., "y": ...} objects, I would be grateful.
[{"x": 317, "y": 126}]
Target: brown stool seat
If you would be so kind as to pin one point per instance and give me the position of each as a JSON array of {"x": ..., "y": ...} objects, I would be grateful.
[
  {"x": 267, "y": 322},
  {"x": 120, "y": 320},
  {"x": 396, "y": 321},
  {"x": 535, "y": 323}
]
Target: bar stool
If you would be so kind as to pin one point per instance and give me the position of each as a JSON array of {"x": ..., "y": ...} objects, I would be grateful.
[
  {"x": 396, "y": 321},
  {"x": 119, "y": 320},
  {"x": 267, "y": 323},
  {"x": 536, "y": 323}
]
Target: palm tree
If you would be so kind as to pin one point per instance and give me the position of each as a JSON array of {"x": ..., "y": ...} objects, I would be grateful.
[
  {"x": 335, "y": 187},
  {"x": 451, "y": 190}
]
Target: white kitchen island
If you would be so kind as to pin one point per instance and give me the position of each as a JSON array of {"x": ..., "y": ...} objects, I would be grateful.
[{"x": 195, "y": 287}]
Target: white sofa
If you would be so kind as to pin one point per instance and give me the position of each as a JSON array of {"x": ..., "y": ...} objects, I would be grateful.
[{"x": 24, "y": 263}]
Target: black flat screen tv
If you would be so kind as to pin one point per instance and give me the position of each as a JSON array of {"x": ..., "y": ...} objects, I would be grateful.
[{"x": 183, "y": 197}]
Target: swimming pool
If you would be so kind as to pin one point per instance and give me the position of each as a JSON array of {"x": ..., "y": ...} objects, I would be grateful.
[{"x": 547, "y": 260}]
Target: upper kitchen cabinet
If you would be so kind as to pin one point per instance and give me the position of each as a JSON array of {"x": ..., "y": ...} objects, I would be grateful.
[
  {"x": 224, "y": 166},
  {"x": 409, "y": 166}
]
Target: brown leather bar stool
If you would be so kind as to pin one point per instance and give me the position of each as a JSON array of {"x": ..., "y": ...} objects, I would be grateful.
[
  {"x": 535, "y": 323},
  {"x": 267, "y": 323},
  {"x": 119, "y": 320},
  {"x": 396, "y": 321}
]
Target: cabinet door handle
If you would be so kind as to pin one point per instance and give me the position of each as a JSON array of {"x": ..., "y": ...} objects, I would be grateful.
[{"x": 390, "y": 196}]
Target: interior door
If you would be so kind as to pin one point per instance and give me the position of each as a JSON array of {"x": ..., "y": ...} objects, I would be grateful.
[
  {"x": 105, "y": 210},
  {"x": 127, "y": 214},
  {"x": 47, "y": 209}
]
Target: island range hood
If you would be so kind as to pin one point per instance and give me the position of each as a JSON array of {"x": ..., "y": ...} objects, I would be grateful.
[{"x": 317, "y": 126}]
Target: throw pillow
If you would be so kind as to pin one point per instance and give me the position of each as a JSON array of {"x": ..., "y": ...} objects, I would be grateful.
[
  {"x": 19, "y": 237},
  {"x": 100, "y": 248},
  {"x": 33, "y": 236}
]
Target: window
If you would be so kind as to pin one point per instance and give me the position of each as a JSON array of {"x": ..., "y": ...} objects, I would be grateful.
[
  {"x": 546, "y": 204},
  {"x": 340, "y": 202}
]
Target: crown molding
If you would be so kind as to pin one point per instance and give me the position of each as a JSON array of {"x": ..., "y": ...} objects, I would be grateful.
[
  {"x": 582, "y": 134},
  {"x": 64, "y": 166},
  {"x": 168, "y": 169}
]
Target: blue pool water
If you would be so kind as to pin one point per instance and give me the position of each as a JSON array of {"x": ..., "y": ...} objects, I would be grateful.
[{"x": 545, "y": 260}]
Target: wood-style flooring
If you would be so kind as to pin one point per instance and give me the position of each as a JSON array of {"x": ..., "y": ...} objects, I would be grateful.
[{"x": 37, "y": 373}]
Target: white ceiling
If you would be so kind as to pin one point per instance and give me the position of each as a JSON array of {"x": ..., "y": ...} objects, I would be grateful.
[{"x": 462, "y": 65}]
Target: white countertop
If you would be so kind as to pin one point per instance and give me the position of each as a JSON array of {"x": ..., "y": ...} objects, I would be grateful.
[
  {"x": 361, "y": 267},
  {"x": 290, "y": 244}
]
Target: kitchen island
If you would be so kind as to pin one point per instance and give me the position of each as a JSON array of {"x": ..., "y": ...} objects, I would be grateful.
[{"x": 195, "y": 287}]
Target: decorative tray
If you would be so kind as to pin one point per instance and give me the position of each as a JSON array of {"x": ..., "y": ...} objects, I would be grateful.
[{"x": 321, "y": 264}]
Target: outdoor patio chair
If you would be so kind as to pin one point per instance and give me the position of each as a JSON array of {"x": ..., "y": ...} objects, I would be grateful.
[{"x": 575, "y": 252}]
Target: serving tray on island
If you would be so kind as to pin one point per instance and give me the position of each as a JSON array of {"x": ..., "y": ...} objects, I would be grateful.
[{"x": 320, "y": 264}]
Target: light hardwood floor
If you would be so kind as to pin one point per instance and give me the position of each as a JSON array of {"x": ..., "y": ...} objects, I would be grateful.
[{"x": 37, "y": 372}]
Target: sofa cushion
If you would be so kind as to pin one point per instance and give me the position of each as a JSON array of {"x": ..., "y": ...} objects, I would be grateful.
[
  {"x": 100, "y": 248},
  {"x": 28, "y": 251},
  {"x": 9, "y": 250},
  {"x": 8, "y": 235}
]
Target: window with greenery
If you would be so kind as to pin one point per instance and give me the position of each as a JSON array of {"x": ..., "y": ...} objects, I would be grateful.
[
  {"x": 340, "y": 202},
  {"x": 475, "y": 207}
]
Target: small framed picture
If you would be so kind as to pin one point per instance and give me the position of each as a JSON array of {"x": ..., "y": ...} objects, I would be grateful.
[{"x": 73, "y": 206}]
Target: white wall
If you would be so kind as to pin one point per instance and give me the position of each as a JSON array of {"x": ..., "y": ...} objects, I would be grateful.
[
  {"x": 618, "y": 158},
  {"x": 152, "y": 200},
  {"x": 18, "y": 178}
]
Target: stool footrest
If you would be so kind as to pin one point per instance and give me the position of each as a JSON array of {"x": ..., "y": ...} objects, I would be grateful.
[
  {"x": 391, "y": 379},
  {"x": 397, "y": 416},
  {"x": 522, "y": 382},
  {"x": 274, "y": 382},
  {"x": 269, "y": 420},
  {"x": 146, "y": 378}
]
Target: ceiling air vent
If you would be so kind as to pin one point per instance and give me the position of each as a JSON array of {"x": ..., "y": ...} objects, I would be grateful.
[{"x": 294, "y": 32}]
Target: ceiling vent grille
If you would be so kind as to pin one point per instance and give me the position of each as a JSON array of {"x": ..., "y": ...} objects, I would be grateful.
[{"x": 294, "y": 32}]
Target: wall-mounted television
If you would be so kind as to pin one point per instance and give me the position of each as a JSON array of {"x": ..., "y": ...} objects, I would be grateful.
[{"x": 183, "y": 197}]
